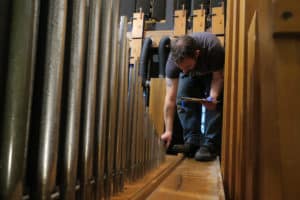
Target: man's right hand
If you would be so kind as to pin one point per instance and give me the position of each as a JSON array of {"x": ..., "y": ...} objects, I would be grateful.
[{"x": 166, "y": 137}]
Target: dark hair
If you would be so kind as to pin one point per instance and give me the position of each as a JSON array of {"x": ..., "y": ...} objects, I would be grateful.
[{"x": 183, "y": 47}]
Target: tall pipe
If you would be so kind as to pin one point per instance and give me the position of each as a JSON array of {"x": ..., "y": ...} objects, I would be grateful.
[
  {"x": 125, "y": 132},
  {"x": 121, "y": 135},
  {"x": 144, "y": 59},
  {"x": 71, "y": 145},
  {"x": 5, "y": 8},
  {"x": 113, "y": 100},
  {"x": 16, "y": 115},
  {"x": 90, "y": 93},
  {"x": 163, "y": 52},
  {"x": 102, "y": 123},
  {"x": 51, "y": 100}
]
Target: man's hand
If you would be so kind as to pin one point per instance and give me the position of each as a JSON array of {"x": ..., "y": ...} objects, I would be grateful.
[
  {"x": 166, "y": 137},
  {"x": 210, "y": 104}
]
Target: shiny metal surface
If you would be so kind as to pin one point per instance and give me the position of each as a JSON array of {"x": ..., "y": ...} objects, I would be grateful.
[
  {"x": 89, "y": 98},
  {"x": 74, "y": 94},
  {"x": 51, "y": 103},
  {"x": 16, "y": 114},
  {"x": 113, "y": 99},
  {"x": 121, "y": 125},
  {"x": 103, "y": 75}
]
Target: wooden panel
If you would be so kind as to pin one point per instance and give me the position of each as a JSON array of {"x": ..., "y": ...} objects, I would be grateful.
[
  {"x": 138, "y": 25},
  {"x": 233, "y": 104},
  {"x": 227, "y": 94},
  {"x": 199, "y": 20},
  {"x": 269, "y": 162},
  {"x": 180, "y": 22},
  {"x": 136, "y": 48},
  {"x": 192, "y": 180},
  {"x": 240, "y": 128},
  {"x": 251, "y": 112},
  {"x": 288, "y": 98},
  {"x": 156, "y": 104},
  {"x": 218, "y": 20},
  {"x": 221, "y": 38},
  {"x": 286, "y": 16},
  {"x": 157, "y": 35}
]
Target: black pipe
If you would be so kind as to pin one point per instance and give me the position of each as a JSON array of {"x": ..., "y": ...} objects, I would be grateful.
[
  {"x": 144, "y": 59},
  {"x": 17, "y": 97},
  {"x": 163, "y": 53},
  {"x": 89, "y": 99}
]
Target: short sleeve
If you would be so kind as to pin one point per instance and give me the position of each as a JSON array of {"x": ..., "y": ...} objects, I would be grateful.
[
  {"x": 216, "y": 58},
  {"x": 172, "y": 71}
]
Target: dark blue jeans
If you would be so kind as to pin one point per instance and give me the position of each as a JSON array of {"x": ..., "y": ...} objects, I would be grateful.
[{"x": 190, "y": 113}]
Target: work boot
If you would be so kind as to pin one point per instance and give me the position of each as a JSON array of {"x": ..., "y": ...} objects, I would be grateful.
[
  {"x": 205, "y": 154},
  {"x": 187, "y": 149}
]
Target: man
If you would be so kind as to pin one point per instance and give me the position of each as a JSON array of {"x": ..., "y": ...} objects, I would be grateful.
[{"x": 195, "y": 69}]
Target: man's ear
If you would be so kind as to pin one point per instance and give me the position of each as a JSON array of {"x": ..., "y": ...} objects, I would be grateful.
[{"x": 197, "y": 53}]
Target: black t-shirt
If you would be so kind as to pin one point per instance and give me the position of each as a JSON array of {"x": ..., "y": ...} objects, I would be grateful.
[{"x": 211, "y": 56}]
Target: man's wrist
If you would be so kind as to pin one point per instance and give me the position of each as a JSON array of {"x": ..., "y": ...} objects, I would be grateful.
[{"x": 212, "y": 99}]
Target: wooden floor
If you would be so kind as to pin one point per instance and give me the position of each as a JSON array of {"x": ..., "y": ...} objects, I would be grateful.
[
  {"x": 177, "y": 179},
  {"x": 192, "y": 180}
]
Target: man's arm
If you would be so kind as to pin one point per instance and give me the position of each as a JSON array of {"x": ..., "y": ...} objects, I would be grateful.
[
  {"x": 216, "y": 87},
  {"x": 169, "y": 109},
  {"x": 217, "y": 84}
]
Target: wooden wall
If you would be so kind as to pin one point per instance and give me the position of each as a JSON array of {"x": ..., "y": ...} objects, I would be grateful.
[{"x": 261, "y": 127}]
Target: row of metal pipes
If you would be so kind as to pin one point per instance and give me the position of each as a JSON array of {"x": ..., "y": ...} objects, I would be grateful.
[{"x": 73, "y": 121}]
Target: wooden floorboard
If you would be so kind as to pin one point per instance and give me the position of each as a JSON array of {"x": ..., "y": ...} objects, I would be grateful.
[
  {"x": 140, "y": 189},
  {"x": 192, "y": 180}
]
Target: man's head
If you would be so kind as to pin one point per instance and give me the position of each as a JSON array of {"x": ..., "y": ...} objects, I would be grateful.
[{"x": 185, "y": 53}]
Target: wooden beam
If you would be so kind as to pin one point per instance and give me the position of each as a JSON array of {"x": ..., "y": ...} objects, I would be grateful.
[
  {"x": 180, "y": 22},
  {"x": 199, "y": 20}
]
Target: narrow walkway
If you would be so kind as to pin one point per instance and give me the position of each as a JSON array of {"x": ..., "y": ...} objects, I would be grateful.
[
  {"x": 178, "y": 179},
  {"x": 192, "y": 180}
]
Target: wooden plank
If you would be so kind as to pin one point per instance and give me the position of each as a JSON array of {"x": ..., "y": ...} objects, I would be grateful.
[
  {"x": 143, "y": 187},
  {"x": 240, "y": 128},
  {"x": 180, "y": 23},
  {"x": 287, "y": 103},
  {"x": 192, "y": 180},
  {"x": 157, "y": 35},
  {"x": 199, "y": 20},
  {"x": 227, "y": 94},
  {"x": 286, "y": 16},
  {"x": 218, "y": 20},
  {"x": 156, "y": 104},
  {"x": 136, "y": 48},
  {"x": 138, "y": 25},
  {"x": 251, "y": 112},
  {"x": 233, "y": 100}
]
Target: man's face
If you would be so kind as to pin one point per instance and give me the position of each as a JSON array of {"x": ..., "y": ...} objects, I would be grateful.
[{"x": 187, "y": 65}]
